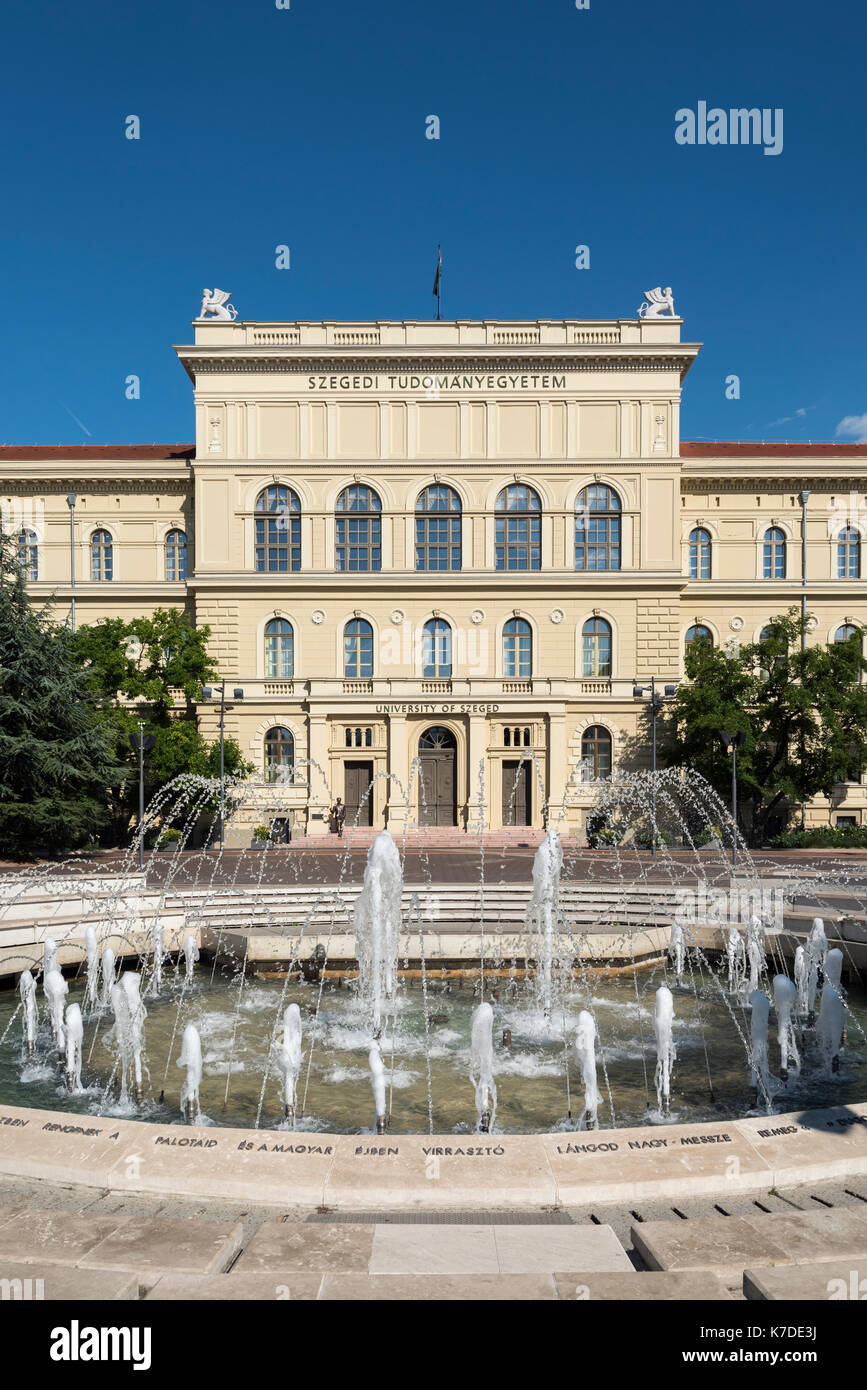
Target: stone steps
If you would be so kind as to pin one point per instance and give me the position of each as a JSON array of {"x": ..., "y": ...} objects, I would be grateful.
[{"x": 729, "y": 1245}]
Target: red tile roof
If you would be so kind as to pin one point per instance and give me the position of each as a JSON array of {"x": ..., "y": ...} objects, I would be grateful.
[
  {"x": 721, "y": 449},
  {"x": 130, "y": 452}
]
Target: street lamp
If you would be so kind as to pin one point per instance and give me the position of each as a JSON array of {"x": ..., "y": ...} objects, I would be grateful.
[
  {"x": 731, "y": 743},
  {"x": 237, "y": 694},
  {"x": 70, "y": 502},
  {"x": 655, "y": 706},
  {"x": 141, "y": 743}
]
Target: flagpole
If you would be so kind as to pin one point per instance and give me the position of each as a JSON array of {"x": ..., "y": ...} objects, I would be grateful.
[{"x": 438, "y": 281}]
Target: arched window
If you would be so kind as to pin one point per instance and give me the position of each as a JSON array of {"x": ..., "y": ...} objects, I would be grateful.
[
  {"x": 358, "y": 650},
  {"x": 359, "y": 530},
  {"x": 518, "y": 532},
  {"x": 845, "y": 632},
  {"x": 438, "y": 529},
  {"x": 176, "y": 556},
  {"x": 774, "y": 554},
  {"x": 699, "y": 553},
  {"x": 28, "y": 554},
  {"x": 517, "y": 649},
  {"x": 278, "y": 530},
  {"x": 699, "y": 633},
  {"x": 596, "y": 753},
  {"x": 849, "y": 554},
  {"x": 101, "y": 556},
  {"x": 279, "y": 649},
  {"x": 279, "y": 754},
  {"x": 596, "y": 648},
  {"x": 597, "y": 528},
  {"x": 437, "y": 649}
]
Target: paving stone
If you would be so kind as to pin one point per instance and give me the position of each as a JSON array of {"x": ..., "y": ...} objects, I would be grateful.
[
  {"x": 62, "y": 1282},
  {"x": 184, "y": 1247},
  {"x": 435, "y": 1250},
  {"x": 311, "y": 1247},
  {"x": 424, "y": 1288},
  {"x": 828, "y": 1279},
  {"x": 542, "y": 1249},
  {"x": 725, "y": 1242},
  {"x": 54, "y": 1237},
  {"x": 217, "y": 1288},
  {"x": 816, "y": 1235},
  {"x": 696, "y": 1285}
]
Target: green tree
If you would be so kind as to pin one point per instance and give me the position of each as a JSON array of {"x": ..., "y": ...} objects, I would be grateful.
[
  {"x": 56, "y": 751},
  {"x": 153, "y": 669},
  {"x": 804, "y": 713}
]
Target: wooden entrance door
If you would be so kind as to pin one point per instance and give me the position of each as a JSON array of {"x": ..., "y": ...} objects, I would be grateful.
[
  {"x": 437, "y": 753},
  {"x": 357, "y": 778},
  {"x": 516, "y": 792}
]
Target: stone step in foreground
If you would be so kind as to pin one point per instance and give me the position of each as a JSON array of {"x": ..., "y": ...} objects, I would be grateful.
[
  {"x": 731, "y": 1243},
  {"x": 831, "y": 1280},
  {"x": 45, "y": 1239}
]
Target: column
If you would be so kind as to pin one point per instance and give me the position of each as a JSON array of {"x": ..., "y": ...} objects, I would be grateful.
[
  {"x": 478, "y": 810},
  {"x": 396, "y": 811},
  {"x": 557, "y": 770},
  {"x": 319, "y": 795}
]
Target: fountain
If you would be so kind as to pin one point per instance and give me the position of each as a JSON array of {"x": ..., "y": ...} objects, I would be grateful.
[
  {"x": 30, "y": 1013},
  {"x": 377, "y": 921},
  {"x": 677, "y": 948},
  {"x": 663, "y": 1029},
  {"x": 55, "y": 989},
  {"x": 191, "y": 1058},
  {"x": 585, "y": 1047},
  {"x": 785, "y": 999},
  {"x": 131, "y": 985},
  {"x": 120, "y": 1035},
  {"x": 736, "y": 957},
  {"x": 107, "y": 977},
  {"x": 74, "y": 1039},
  {"x": 191, "y": 956},
  {"x": 543, "y": 915},
  {"x": 806, "y": 982},
  {"x": 377, "y": 1082},
  {"x": 289, "y": 1058},
  {"x": 156, "y": 983},
  {"x": 49, "y": 956},
  {"x": 91, "y": 950},
  {"x": 831, "y": 1023},
  {"x": 759, "y": 1023},
  {"x": 755, "y": 952},
  {"x": 482, "y": 1067}
]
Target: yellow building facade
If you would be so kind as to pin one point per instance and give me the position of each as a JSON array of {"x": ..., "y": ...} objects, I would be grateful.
[{"x": 439, "y": 557}]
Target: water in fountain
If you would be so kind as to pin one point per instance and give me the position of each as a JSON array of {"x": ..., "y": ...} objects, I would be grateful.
[
  {"x": 759, "y": 1023},
  {"x": 543, "y": 915},
  {"x": 755, "y": 952},
  {"x": 130, "y": 983},
  {"x": 666, "y": 1055},
  {"x": 91, "y": 951},
  {"x": 806, "y": 982},
  {"x": 55, "y": 989},
  {"x": 119, "y": 1037},
  {"x": 585, "y": 1047},
  {"x": 107, "y": 977},
  {"x": 49, "y": 956},
  {"x": 736, "y": 956},
  {"x": 817, "y": 943},
  {"x": 191, "y": 1059},
  {"x": 74, "y": 1039},
  {"x": 29, "y": 1011},
  {"x": 482, "y": 1067},
  {"x": 677, "y": 949},
  {"x": 191, "y": 955},
  {"x": 377, "y": 921},
  {"x": 289, "y": 1058},
  {"x": 830, "y": 1025},
  {"x": 156, "y": 983},
  {"x": 377, "y": 1082},
  {"x": 785, "y": 999}
]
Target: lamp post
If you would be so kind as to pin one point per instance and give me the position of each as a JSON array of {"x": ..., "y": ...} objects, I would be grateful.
[
  {"x": 70, "y": 502},
  {"x": 140, "y": 743},
  {"x": 238, "y": 694},
  {"x": 731, "y": 743},
  {"x": 655, "y": 706}
]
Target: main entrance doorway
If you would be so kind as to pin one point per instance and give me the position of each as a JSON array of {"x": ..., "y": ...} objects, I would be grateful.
[
  {"x": 357, "y": 778},
  {"x": 517, "y": 807},
  {"x": 437, "y": 751}
]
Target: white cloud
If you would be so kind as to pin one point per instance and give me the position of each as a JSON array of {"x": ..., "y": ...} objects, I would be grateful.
[{"x": 853, "y": 427}]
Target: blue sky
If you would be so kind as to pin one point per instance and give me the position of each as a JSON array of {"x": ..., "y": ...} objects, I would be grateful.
[{"x": 306, "y": 127}]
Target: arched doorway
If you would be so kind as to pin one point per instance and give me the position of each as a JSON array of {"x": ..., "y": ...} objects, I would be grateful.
[{"x": 437, "y": 751}]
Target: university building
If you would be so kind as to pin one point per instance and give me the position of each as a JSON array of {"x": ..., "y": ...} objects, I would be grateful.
[{"x": 446, "y": 552}]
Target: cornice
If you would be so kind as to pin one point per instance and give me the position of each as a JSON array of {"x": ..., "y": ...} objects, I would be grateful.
[{"x": 258, "y": 360}]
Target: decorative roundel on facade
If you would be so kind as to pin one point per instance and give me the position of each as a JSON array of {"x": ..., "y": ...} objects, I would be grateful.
[
  {"x": 397, "y": 616},
  {"x": 812, "y": 623},
  {"x": 477, "y": 616},
  {"x": 556, "y": 615},
  {"x": 736, "y": 623},
  {"x": 318, "y": 615}
]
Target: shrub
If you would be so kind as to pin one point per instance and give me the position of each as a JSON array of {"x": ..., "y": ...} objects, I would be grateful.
[{"x": 823, "y": 837}]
